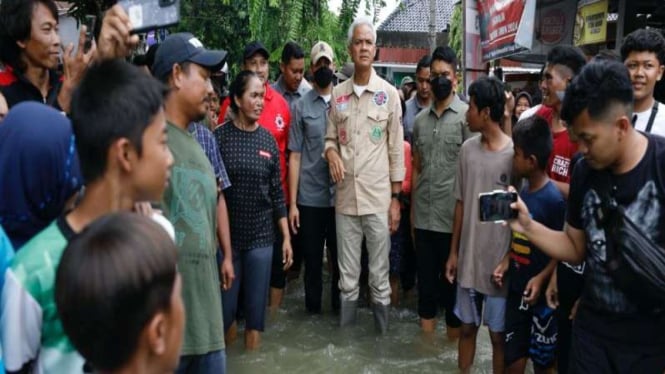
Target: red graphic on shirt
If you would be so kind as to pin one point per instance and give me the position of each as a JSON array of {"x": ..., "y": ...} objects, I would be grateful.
[
  {"x": 563, "y": 150},
  {"x": 343, "y": 138},
  {"x": 279, "y": 122},
  {"x": 342, "y": 99},
  {"x": 560, "y": 165}
]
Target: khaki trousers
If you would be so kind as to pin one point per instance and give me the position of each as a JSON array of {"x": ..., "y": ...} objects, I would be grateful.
[{"x": 350, "y": 233}]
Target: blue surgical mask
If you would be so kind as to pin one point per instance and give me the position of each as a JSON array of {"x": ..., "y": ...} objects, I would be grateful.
[{"x": 560, "y": 95}]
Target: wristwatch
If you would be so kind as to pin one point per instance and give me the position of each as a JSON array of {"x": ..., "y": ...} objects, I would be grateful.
[{"x": 397, "y": 196}]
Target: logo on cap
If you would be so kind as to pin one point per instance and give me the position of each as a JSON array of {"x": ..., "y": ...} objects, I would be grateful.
[{"x": 195, "y": 42}]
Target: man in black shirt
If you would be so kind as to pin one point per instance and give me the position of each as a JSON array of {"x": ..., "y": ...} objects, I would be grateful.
[
  {"x": 30, "y": 51},
  {"x": 611, "y": 333}
]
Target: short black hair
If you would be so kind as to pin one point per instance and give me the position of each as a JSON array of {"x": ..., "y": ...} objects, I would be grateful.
[
  {"x": 599, "y": 85},
  {"x": 114, "y": 100},
  {"x": 292, "y": 51},
  {"x": 239, "y": 86},
  {"x": 568, "y": 56},
  {"x": 445, "y": 54},
  {"x": 488, "y": 92},
  {"x": 607, "y": 54},
  {"x": 533, "y": 136},
  {"x": 112, "y": 279},
  {"x": 644, "y": 40},
  {"x": 16, "y": 25},
  {"x": 424, "y": 63}
]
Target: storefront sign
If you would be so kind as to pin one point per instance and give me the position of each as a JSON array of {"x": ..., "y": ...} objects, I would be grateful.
[{"x": 590, "y": 22}]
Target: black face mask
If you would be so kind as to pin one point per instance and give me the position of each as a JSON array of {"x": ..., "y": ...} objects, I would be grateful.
[
  {"x": 441, "y": 87},
  {"x": 323, "y": 76}
]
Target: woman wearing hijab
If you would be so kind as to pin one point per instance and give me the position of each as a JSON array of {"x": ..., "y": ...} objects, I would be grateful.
[
  {"x": 40, "y": 169},
  {"x": 522, "y": 103}
]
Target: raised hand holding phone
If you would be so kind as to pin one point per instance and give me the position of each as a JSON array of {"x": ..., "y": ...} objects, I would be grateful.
[
  {"x": 151, "y": 14},
  {"x": 495, "y": 206}
]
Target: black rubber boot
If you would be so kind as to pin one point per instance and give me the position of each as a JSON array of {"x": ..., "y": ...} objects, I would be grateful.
[
  {"x": 380, "y": 317},
  {"x": 347, "y": 312}
]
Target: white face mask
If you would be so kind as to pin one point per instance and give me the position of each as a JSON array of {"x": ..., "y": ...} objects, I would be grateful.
[{"x": 560, "y": 95}]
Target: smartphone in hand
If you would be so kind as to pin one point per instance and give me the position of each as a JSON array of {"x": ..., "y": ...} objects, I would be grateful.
[
  {"x": 89, "y": 21},
  {"x": 495, "y": 206},
  {"x": 151, "y": 14}
]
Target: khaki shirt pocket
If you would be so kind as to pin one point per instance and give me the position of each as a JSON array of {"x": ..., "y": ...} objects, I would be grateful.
[
  {"x": 378, "y": 124},
  {"x": 453, "y": 143}
]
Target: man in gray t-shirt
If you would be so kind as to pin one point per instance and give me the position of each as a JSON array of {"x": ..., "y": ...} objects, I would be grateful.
[
  {"x": 312, "y": 212},
  {"x": 478, "y": 249}
]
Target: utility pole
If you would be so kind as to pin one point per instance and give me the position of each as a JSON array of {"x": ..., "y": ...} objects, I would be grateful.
[{"x": 432, "y": 25}]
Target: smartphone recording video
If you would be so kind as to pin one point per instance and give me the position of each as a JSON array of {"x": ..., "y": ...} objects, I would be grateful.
[
  {"x": 89, "y": 21},
  {"x": 495, "y": 206},
  {"x": 151, "y": 14}
]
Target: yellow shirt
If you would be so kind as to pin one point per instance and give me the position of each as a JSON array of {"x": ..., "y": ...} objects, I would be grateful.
[{"x": 367, "y": 132}]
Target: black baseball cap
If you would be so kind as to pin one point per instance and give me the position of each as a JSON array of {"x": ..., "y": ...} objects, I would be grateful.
[
  {"x": 185, "y": 47},
  {"x": 253, "y": 48}
]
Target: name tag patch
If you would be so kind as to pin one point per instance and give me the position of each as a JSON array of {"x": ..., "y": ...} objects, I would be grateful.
[
  {"x": 342, "y": 103},
  {"x": 265, "y": 154}
]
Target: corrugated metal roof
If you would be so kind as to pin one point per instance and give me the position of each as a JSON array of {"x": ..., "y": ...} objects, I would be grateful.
[
  {"x": 402, "y": 55},
  {"x": 413, "y": 16}
]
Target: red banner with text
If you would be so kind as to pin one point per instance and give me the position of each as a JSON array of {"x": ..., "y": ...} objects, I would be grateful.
[{"x": 506, "y": 27}]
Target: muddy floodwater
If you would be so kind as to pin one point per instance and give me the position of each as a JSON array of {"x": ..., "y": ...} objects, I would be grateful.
[{"x": 295, "y": 342}]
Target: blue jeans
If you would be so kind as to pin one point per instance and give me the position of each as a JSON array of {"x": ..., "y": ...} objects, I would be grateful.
[
  {"x": 211, "y": 362},
  {"x": 252, "y": 268}
]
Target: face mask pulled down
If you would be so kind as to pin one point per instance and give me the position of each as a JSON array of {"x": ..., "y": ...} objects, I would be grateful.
[{"x": 441, "y": 87}]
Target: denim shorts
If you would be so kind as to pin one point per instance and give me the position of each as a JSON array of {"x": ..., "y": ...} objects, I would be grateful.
[
  {"x": 211, "y": 362},
  {"x": 473, "y": 307}
]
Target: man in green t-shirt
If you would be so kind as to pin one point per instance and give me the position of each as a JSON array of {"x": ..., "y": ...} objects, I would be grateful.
[
  {"x": 120, "y": 130},
  {"x": 191, "y": 200}
]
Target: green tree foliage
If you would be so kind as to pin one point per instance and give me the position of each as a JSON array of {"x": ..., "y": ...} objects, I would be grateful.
[
  {"x": 274, "y": 22},
  {"x": 218, "y": 24},
  {"x": 456, "y": 31},
  {"x": 230, "y": 24},
  {"x": 456, "y": 39}
]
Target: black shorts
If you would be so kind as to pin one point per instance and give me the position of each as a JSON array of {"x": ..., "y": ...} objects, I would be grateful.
[
  {"x": 593, "y": 354},
  {"x": 531, "y": 332}
]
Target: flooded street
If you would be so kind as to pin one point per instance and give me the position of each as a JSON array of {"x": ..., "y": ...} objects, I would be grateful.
[{"x": 295, "y": 342}]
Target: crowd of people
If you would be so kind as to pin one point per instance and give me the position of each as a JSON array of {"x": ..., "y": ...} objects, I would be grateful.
[{"x": 148, "y": 211}]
